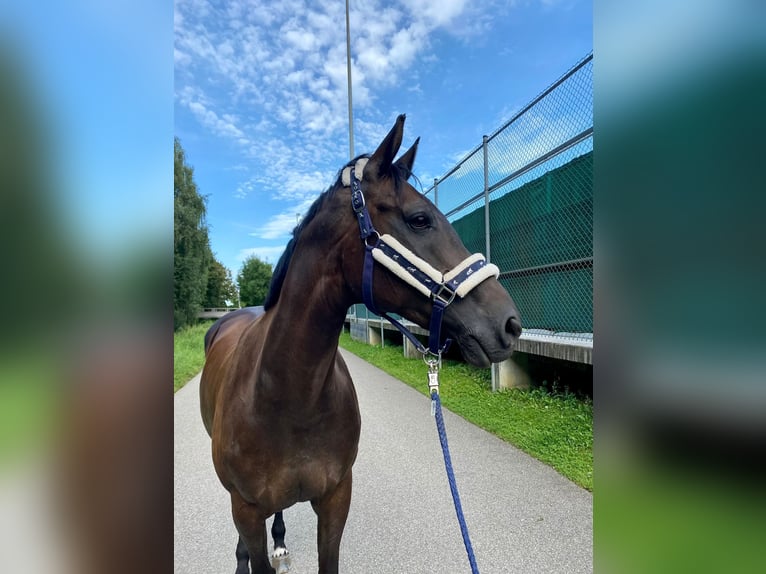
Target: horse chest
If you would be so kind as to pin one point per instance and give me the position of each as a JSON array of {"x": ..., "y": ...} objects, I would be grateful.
[{"x": 278, "y": 464}]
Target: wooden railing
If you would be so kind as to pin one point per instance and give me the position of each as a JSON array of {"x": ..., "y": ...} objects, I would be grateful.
[{"x": 215, "y": 312}]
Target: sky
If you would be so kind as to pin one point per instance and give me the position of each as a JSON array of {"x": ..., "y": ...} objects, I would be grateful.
[{"x": 261, "y": 104}]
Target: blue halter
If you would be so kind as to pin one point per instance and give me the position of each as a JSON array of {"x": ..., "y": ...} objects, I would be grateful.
[{"x": 414, "y": 271}]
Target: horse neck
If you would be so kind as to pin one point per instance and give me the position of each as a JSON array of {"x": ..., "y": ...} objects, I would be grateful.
[{"x": 299, "y": 351}]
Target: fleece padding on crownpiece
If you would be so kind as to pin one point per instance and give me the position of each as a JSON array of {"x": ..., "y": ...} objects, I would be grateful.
[{"x": 345, "y": 176}]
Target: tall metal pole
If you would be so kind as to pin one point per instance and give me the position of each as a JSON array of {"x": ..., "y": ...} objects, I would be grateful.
[
  {"x": 495, "y": 368},
  {"x": 486, "y": 199},
  {"x": 348, "y": 68}
]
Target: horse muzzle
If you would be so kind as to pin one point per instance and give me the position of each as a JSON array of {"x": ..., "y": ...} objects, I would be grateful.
[{"x": 486, "y": 325}]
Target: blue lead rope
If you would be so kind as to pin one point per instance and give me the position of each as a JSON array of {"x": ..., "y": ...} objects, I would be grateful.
[{"x": 451, "y": 478}]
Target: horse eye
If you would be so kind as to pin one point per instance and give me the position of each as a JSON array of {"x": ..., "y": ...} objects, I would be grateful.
[{"x": 419, "y": 222}]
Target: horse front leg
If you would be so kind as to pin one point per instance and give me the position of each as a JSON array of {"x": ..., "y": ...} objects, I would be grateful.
[
  {"x": 243, "y": 558},
  {"x": 332, "y": 511},
  {"x": 280, "y": 559},
  {"x": 251, "y": 525}
]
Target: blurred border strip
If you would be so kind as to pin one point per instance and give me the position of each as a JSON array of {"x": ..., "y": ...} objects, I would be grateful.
[{"x": 680, "y": 392}]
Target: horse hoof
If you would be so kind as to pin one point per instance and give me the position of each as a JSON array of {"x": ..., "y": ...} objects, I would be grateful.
[{"x": 280, "y": 560}]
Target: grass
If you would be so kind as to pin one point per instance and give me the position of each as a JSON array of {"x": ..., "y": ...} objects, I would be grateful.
[
  {"x": 556, "y": 429},
  {"x": 188, "y": 353}
]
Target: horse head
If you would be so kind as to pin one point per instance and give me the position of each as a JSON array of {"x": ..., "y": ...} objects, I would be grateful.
[{"x": 485, "y": 322}]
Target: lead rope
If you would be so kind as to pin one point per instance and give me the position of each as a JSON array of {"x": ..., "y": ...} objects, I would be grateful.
[
  {"x": 436, "y": 411},
  {"x": 407, "y": 266}
]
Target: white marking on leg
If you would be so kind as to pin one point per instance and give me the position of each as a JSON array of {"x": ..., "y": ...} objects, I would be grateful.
[{"x": 280, "y": 560}]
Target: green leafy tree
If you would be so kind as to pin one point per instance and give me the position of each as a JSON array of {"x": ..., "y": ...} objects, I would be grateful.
[
  {"x": 253, "y": 280},
  {"x": 221, "y": 291},
  {"x": 191, "y": 245}
]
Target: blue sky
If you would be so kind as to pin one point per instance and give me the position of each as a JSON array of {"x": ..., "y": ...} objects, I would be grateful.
[{"x": 261, "y": 101}]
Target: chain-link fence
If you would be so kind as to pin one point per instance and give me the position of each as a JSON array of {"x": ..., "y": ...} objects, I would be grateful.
[{"x": 524, "y": 198}]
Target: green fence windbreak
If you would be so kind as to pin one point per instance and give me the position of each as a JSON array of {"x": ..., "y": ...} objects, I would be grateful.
[
  {"x": 541, "y": 238},
  {"x": 538, "y": 169}
]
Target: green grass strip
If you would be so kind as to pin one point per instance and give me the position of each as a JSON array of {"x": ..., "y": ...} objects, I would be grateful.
[
  {"x": 555, "y": 429},
  {"x": 188, "y": 353}
]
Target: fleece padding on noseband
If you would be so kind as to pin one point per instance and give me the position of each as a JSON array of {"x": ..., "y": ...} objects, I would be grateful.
[
  {"x": 473, "y": 279},
  {"x": 464, "y": 264},
  {"x": 345, "y": 176},
  {"x": 412, "y": 263},
  {"x": 410, "y": 268}
]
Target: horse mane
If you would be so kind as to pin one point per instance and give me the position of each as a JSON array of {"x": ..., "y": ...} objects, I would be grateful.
[
  {"x": 398, "y": 174},
  {"x": 280, "y": 271}
]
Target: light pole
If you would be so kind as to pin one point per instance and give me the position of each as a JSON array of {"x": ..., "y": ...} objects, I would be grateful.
[{"x": 348, "y": 69}]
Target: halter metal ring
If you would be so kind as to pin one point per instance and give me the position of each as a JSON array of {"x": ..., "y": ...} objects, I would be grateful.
[
  {"x": 357, "y": 200},
  {"x": 445, "y": 294},
  {"x": 433, "y": 360},
  {"x": 376, "y": 239}
]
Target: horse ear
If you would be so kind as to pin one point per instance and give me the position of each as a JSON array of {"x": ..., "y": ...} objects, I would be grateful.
[
  {"x": 381, "y": 161},
  {"x": 408, "y": 159}
]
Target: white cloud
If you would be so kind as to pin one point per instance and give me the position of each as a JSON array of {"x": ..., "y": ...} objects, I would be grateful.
[
  {"x": 460, "y": 156},
  {"x": 534, "y": 135},
  {"x": 280, "y": 226},
  {"x": 440, "y": 12},
  {"x": 269, "y": 254},
  {"x": 302, "y": 40},
  {"x": 244, "y": 189},
  {"x": 369, "y": 134},
  {"x": 282, "y": 59},
  {"x": 306, "y": 186},
  {"x": 269, "y": 76}
]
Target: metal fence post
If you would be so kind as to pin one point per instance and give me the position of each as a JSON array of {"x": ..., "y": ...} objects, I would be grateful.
[
  {"x": 484, "y": 140},
  {"x": 436, "y": 192}
]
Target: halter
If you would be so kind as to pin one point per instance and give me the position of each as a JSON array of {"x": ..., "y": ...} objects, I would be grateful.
[{"x": 386, "y": 250}]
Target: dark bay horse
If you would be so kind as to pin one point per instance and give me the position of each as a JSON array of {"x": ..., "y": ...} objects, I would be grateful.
[{"x": 276, "y": 396}]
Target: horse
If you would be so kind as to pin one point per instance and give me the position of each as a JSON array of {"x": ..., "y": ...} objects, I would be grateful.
[{"x": 276, "y": 396}]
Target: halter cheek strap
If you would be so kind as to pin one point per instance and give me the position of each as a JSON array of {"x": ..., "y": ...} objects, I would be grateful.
[{"x": 416, "y": 272}]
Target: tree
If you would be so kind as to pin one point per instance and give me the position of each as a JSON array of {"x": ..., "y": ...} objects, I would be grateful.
[
  {"x": 253, "y": 280},
  {"x": 221, "y": 291},
  {"x": 191, "y": 245}
]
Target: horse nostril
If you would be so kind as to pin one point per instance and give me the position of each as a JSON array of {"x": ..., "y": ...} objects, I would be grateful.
[{"x": 513, "y": 327}]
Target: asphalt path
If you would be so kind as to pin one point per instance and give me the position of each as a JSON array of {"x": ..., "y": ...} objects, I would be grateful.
[{"x": 522, "y": 515}]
